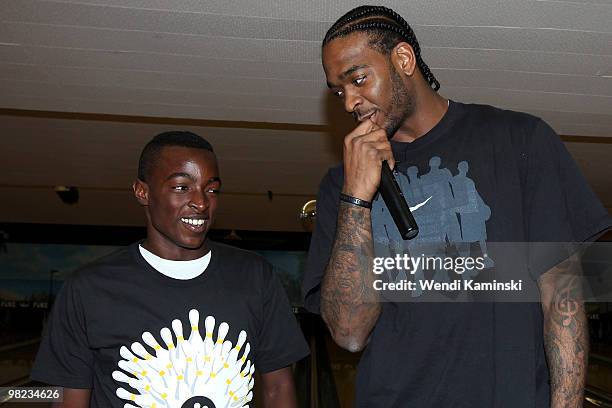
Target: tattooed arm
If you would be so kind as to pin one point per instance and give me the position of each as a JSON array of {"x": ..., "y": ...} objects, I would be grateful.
[
  {"x": 349, "y": 304},
  {"x": 565, "y": 333}
]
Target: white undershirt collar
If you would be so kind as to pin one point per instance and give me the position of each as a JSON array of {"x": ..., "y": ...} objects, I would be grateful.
[{"x": 182, "y": 270}]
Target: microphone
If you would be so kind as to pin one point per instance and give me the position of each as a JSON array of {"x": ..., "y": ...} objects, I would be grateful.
[{"x": 396, "y": 204}]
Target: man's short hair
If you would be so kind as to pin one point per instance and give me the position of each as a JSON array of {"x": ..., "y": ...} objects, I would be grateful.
[{"x": 174, "y": 138}]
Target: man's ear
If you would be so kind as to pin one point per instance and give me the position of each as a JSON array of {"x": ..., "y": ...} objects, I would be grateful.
[
  {"x": 403, "y": 58},
  {"x": 141, "y": 192}
]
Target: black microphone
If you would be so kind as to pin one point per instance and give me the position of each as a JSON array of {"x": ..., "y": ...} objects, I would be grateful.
[{"x": 396, "y": 203}]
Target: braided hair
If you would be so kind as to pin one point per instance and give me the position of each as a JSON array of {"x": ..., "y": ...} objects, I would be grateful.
[{"x": 385, "y": 29}]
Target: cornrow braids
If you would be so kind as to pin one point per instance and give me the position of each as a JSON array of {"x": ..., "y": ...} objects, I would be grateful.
[{"x": 385, "y": 29}]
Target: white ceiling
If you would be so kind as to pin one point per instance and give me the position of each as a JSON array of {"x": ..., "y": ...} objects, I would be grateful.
[{"x": 259, "y": 62}]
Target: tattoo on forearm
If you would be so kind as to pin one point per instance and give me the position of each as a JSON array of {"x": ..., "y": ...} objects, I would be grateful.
[
  {"x": 566, "y": 340},
  {"x": 348, "y": 302}
]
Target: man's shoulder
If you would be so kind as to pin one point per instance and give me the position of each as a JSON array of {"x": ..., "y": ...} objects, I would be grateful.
[
  {"x": 492, "y": 115},
  {"x": 247, "y": 268},
  {"x": 113, "y": 263},
  {"x": 234, "y": 256}
]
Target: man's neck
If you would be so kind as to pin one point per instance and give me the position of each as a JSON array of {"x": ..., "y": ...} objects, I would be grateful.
[
  {"x": 173, "y": 252},
  {"x": 429, "y": 110}
]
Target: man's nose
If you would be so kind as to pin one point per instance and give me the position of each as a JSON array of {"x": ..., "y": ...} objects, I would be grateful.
[
  {"x": 352, "y": 100},
  {"x": 198, "y": 200}
]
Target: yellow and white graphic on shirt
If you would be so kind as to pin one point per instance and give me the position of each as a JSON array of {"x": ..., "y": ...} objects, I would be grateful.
[{"x": 194, "y": 372}]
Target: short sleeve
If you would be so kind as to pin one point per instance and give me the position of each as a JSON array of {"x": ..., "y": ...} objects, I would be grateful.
[
  {"x": 559, "y": 205},
  {"x": 321, "y": 241},
  {"x": 280, "y": 340},
  {"x": 64, "y": 357}
]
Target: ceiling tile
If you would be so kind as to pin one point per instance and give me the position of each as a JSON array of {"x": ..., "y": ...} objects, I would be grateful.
[
  {"x": 591, "y": 85},
  {"x": 524, "y": 61},
  {"x": 179, "y": 22},
  {"x": 530, "y": 39},
  {"x": 164, "y": 43}
]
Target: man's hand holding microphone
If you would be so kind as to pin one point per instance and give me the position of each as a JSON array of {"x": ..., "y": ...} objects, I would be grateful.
[{"x": 368, "y": 160}]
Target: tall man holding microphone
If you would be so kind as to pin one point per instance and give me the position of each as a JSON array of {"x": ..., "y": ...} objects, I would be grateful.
[{"x": 522, "y": 180}]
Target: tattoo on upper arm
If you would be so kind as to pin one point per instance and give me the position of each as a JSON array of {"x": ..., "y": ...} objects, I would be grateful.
[{"x": 565, "y": 335}]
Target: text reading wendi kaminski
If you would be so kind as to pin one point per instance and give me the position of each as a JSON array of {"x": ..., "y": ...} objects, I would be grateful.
[{"x": 415, "y": 266}]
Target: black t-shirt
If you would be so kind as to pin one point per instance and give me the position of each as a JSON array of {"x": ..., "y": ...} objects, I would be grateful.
[
  {"x": 481, "y": 175},
  {"x": 131, "y": 334}
]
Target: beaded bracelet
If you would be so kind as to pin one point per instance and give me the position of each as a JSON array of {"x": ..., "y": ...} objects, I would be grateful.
[{"x": 355, "y": 201}]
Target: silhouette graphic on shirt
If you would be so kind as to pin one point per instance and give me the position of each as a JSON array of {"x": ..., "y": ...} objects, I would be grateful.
[
  {"x": 452, "y": 218},
  {"x": 473, "y": 214}
]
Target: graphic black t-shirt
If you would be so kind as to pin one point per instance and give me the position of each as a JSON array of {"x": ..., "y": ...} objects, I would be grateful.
[
  {"x": 481, "y": 176},
  {"x": 133, "y": 335}
]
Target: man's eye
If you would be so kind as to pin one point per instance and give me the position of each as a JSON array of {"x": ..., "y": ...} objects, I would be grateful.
[
  {"x": 213, "y": 191},
  {"x": 339, "y": 94},
  {"x": 180, "y": 188},
  {"x": 359, "y": 81}
]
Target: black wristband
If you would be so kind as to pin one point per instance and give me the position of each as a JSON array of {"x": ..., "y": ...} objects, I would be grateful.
[{"x": 355, "y": 201}]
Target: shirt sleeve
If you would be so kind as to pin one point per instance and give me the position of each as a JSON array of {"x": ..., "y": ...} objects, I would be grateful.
[
  {"x": 561, "y": 210},
  {"x": 64, "y": 357},
  {"x": 322, "y": 241},
  {"x": 280, "y": 340}
]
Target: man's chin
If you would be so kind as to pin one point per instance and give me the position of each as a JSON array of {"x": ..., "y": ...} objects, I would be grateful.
[{"x": 194, "y": 244}]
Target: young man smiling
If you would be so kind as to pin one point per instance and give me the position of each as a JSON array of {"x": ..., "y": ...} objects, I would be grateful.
[
  {"x": 522, "y": 184},
  {"x": 177, "y": 320}
]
